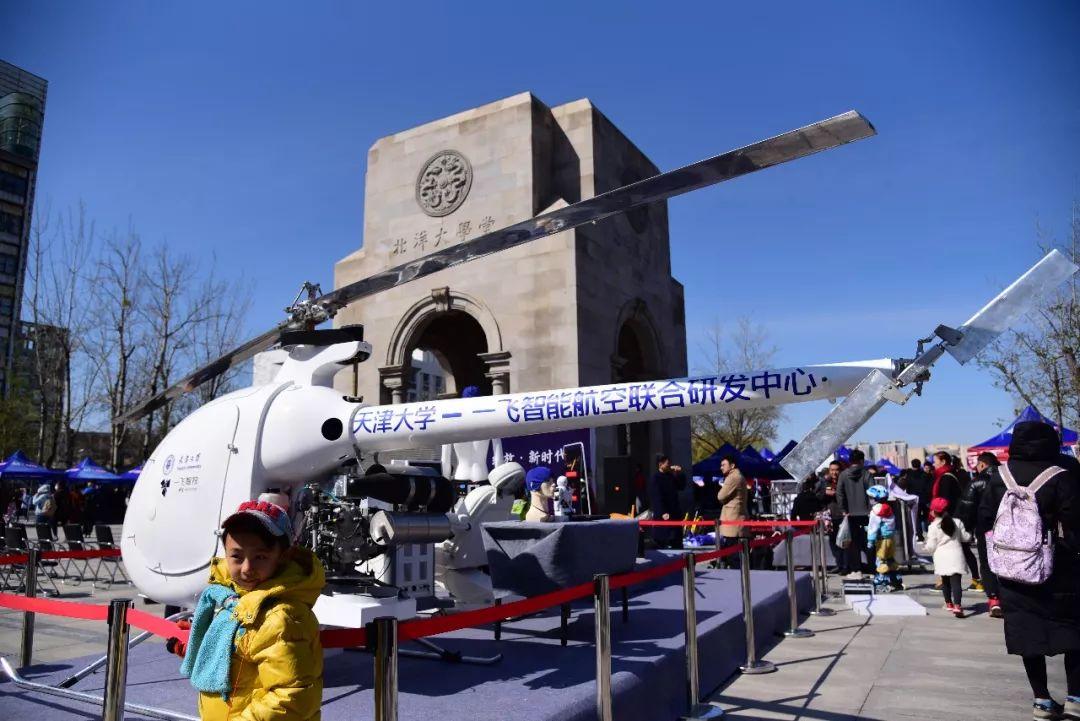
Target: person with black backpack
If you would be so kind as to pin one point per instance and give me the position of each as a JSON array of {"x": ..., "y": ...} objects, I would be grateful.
[{"x": 1041, "y": 619}]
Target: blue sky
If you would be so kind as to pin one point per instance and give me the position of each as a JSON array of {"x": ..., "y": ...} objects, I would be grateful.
[{"x": 242, "y": 129}]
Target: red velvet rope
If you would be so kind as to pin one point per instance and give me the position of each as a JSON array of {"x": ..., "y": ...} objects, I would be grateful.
[
  {"x": 58, "y": 555},
  {"x": 744, "y": 524},
  {"x": 407, "y": 630},
  {"x": 68, "y": 609}
]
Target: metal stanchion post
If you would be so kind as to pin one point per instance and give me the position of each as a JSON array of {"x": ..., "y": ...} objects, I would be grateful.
[
  {"x": 698, "y": 710},
  {"x": 602, "y": 608},
  {"x": 753, "y": 665},
  {"x": 718, "y": 563},
  {"x": 823, "y": 542},
  {"x": 385, "y": 630},
  {"x": 30, "y": 588},
  {"x": 690, "y": 609},
  {"x": 793, "y": 602},
  {"x": 816, "y": 558},
  {"x": 112, "y": 708}
]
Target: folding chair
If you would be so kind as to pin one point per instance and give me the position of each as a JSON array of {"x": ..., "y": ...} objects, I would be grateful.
[
  {"x": 11, "y": 576},
  {"x": 47, "y": 540},
  {"x": 73, "y": 539},
  {"x": 105, "y": 541},
  {"x": 15, "y": 537}
]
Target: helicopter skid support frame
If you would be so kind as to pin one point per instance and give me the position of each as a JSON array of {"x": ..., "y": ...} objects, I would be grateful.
[{"x": 151, "y": 711}]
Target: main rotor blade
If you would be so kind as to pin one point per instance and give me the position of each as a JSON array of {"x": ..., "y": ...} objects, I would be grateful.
[
  {"x": 976, "y": 333},
  {"x": 215, "y": 368},
  {"x": 823, "y": 135},
  {"x": 840, "y": 424},
  {"x": 791, "y": 145},
  {"x": 1003, "y": 311}
]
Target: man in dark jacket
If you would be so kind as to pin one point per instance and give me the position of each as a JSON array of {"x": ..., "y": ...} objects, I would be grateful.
[
  {"x": 664, "y": 501},
  {"x": 1043, "y": 619},
  {"x": 968, "y": 513},
  {"x": 917, "y": 483},
  {"x": 851, "y": 496}
]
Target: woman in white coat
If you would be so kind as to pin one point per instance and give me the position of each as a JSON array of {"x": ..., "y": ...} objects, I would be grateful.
[{"x": 945, "y": 539}]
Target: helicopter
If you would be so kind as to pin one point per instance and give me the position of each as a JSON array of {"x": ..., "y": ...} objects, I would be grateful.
[{"x": 298, "y": 437}]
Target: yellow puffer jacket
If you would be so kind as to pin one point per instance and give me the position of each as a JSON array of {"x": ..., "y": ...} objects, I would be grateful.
[{"x": 278, "y": 663}]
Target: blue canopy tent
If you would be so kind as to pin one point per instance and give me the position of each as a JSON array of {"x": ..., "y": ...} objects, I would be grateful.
[
  {"x": 999, "y": 444},
  {"x": 767, "y": 454},
  {"x": 750, "y": 462},
  {"x": 132, "y": 474},
  {"x": 788, "y": 448},
  {"x": 18, "y": 467},
  {"x": 886, "y": 464},
  {"x": 87, "y": 470},
  {"x": 843, "y": 453}
]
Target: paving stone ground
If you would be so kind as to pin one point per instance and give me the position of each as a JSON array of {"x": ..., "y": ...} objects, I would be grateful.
[{"x": 931, "y": 668}]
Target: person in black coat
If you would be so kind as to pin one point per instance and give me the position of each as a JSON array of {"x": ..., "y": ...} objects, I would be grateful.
[
  {"x": 851, "y": 495},
  {"x": 664, "y": 501},
  {"x": 1043, "y": 620},
  {"x": 806, "y": 505}
]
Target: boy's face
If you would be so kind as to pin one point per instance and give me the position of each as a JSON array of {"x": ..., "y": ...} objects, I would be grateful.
[{"x": 250, "y": 561}]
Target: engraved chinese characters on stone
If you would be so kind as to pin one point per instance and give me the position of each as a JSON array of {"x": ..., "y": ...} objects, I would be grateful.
[{"x": 443, "y": 183}]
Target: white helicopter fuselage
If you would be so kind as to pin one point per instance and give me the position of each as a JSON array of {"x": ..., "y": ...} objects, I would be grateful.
[{"x": 298, "y": 430}]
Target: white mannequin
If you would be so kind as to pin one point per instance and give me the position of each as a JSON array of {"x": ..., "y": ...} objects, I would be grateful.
[
  {"x": 472, "y": 456},
  {"x": 471, "y": 459},
  {"x": 458, "y": 559}
]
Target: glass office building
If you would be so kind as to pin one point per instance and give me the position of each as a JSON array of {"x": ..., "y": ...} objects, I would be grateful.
[{"x": 22, "y": 116}]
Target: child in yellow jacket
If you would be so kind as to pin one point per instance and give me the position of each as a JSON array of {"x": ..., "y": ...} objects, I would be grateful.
[{"x": 254, "y": 651}]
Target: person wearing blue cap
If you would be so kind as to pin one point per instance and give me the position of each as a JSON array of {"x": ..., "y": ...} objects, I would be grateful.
[
  {"x": 880, "y": 539},
  {"x": 538, "y": 484}
]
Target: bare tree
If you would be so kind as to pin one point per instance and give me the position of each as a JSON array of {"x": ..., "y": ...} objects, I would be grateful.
[
  {"x": 59, "y": 304},
  {"x": 171, "y": 314},
  {"x": 227, "y": 304},
  {"x": 1038, "y": 363},
  {"x": 725, "y": 350},
  {"x": 120, "y": 332}
]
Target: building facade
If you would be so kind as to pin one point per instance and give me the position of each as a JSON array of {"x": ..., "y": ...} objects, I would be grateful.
[
  {"x": 22, "y": 114},
  {"x": 588, "y": 306},
  {"x": 896, "y": 452}
]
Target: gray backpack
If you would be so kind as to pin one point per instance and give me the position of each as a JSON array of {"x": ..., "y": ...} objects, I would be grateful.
[{"x": 1019, "y": 548}]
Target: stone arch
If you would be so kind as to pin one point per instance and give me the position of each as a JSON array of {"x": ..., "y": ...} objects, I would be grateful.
[
  {"x": 637, "y": 353},
  {"x": 441, "y": 300},
  {"x": 460, "y": 331}
]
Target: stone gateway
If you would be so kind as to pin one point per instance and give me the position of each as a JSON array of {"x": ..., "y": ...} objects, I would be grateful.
[{"x": 583, "y": 307}]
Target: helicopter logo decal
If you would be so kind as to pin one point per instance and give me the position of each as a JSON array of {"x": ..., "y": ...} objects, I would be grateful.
[{"x": 165, "y": 487}]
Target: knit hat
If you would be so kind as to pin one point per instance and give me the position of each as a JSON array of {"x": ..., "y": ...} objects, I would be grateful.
[
  {"x": 1034, "y": 441},
  {"x": 271, "y": 516},
  {"x": 939, "y": 505},
  {"x": 536, "y": 477}
]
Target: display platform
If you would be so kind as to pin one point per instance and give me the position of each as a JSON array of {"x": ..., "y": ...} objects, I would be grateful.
[{"x": 537, "y": 678}]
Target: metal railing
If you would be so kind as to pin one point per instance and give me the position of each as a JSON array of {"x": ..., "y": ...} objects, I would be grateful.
[{"x": 383, "y": 639}]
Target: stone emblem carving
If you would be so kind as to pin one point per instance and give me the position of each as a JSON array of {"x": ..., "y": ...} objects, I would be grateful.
[{"x": 443, "y": 183}]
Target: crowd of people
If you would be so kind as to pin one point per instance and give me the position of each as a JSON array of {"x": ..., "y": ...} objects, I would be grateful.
[
  {"x": 958, "y": 516},
  {"x": 60, "y": 503}
]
